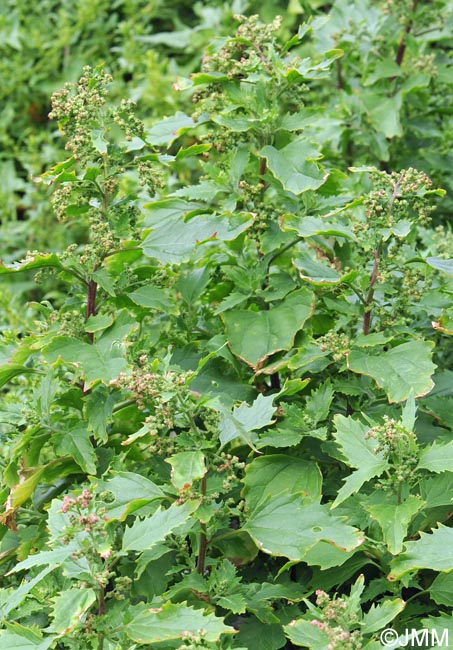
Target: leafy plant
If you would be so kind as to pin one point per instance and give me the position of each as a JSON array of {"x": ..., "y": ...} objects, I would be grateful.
[{"x": 226, "y": 418}]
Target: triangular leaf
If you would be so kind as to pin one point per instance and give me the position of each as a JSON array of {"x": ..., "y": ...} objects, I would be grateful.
[{"x": 400, "y": 370}]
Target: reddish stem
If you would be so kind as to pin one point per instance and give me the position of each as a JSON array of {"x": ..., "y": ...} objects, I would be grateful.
[
  {"x": 91, "y": 304},
  {"x": 203, "y": 545},
  {"x": 402, "y": 45}
]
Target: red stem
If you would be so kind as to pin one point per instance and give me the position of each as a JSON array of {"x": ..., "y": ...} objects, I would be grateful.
[{"x": 91, "y": 304}]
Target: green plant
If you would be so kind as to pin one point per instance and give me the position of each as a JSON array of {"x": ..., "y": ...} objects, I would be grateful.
[{"x": 227, "y": 419}]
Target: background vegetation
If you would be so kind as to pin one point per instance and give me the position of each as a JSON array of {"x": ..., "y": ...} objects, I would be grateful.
[{"x": 226, "y": 327}]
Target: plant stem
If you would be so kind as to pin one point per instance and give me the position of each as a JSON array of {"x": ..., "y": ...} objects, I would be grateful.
[
  {"x": 403, "y": 40},
  {"x": 370, "y": 295},
  {"x": 402, "y": 44},
  {"x": 91, "y": 304},
  {"x": 203, "y": 545},
  {"x": 101, "y": 612},
  {"x": 376, "y": 255},
  {"x": 282, "y": 250}
]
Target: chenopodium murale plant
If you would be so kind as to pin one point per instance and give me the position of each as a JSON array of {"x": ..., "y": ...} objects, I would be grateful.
[
  {"x": 388, "y": 225},
  {"x": 250, "y": 96},
  {"x": 181, "y": 426},
  {"x": 337, "y": 622},
  {"x": 99, "y": 184}
]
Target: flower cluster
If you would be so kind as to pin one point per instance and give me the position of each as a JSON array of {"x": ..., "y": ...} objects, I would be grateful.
[
  {"x": 336, "y": 343},
  {"x": 126, "y": 118},
  {"x": 150, "y": 175},
  {"x": 336, "y": 622},
  {"x": 103, "y": 240},
  {"x": 70, "y": 323},
  {"x": 252, "y": 50},
  {"x": 231, "y": 466},
  {"x": 395, "y": 197},
  {"x": 150, "y": 388},
  {"x": 249, "y": 50},
  {"x": 61, "y": 198},
  {"x": 83, "y": 517},
  {"x": 86, "y": 531},
  {"x": 399, "y": 447},
  {"x": 77, "y": 108},
  {"x": 194, "y": 640}
]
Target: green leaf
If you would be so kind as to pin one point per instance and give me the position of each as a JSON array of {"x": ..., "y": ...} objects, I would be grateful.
[
  {"x": 69, "y": 608},
  {"x": 378, "y": 616},
  {"x": 11, "y": 370},
  {"x": 99, "y": 142},
  {"x": 393, "y": 518},
  {"x": 103, "y": 278},
  {"x": 99, "y": 405},
  {"x": 303, "y": 633},
  {"x": 295, "y": 167},
  {"x": 270, "y": 475},
  {"x": 236, "y": 603},
  {"x": 440, "y": 630},
  {"x": 18, "y": 595},
  {"x": 32, "y": 263},
  {"x": 238, "y": 123},
  {"x": 153, "y": 298},
  {"x": 383, "y": 70},
  {"x": 253, "y": 336},
  {"x": 201, "y": 78},
  {"x": 326, "y": 556},
  {"x": 255, "y": 633},
  {"x": 320, "y": 274},
  {"x": 258, "y": 415},
  {"x": 400, "y": 370},
  {"x": 130, "y": 492},
  {"x": 437, "y": 490},
  {"x": 18, "y": 637},
  {"x": 244, "y": 418},
  {"x": 358, "y": 451},
  {"x": 192, "y": 285},
  {"x": 144, "y": 534},
  {"x": 432, "y": 551},
  {"x": 57, "y": 468},
  {"x": 98, "y": 323},
  {"x": 295, "y": 121},
  {"x": 194, "y": 150},
  {"x": 174, "y": 621},
  {"x": 76, "y": 443},
  {"x": 437, "y": 458},
  {"x": 436, "y": 263},
  {"x": 174, "y": 240},
  {"x": 308, "y": 70},
  {"x": 318, "y": 403},
  {"x": 384, "y": 113},
  {"x": 186, "y": 467},
  {"x": 101, "y": 361},
  {"x": 315, "y": 226},
  {"x": 169, "y": 129},
  {"x": 285, "y": 525},
  {"x": 441, "y": 589},
  {"x": 408, "y": 415},
  {"x": 52, "y": 558}
]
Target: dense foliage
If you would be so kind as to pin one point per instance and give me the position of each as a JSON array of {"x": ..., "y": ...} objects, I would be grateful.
[{"x": 226, "y": 338}]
